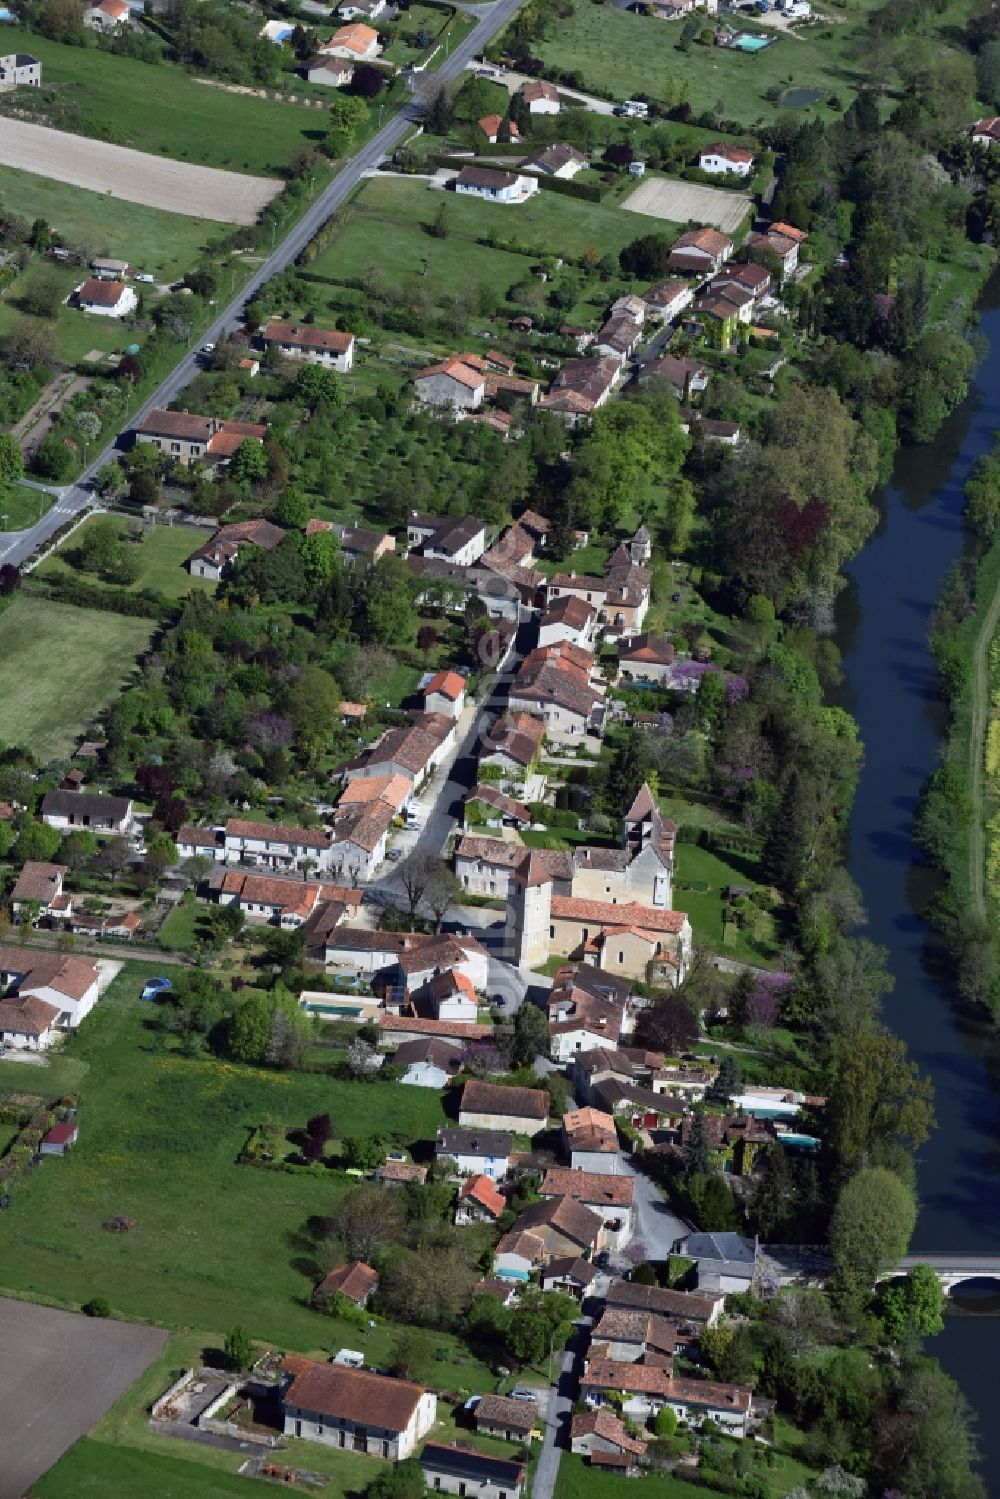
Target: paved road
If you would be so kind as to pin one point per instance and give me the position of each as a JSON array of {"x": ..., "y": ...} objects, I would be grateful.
[
  {"x": 21, "y": 544},
  {"x": 656, "y": 1224},
  {"x": 559, "y": 1412}
]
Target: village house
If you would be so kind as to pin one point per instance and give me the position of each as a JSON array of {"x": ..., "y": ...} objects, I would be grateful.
[
  {"x": 43, "y": 993},
  {"x": 356, "y": 42},
  {"x": 572, "y": 1274},
  {"x": 986, "y": 131},
  {"x": 455, "y": 383},
  {"x": 666, "y": 300},
  {"x": 499, "y": 1416},
  {"x": 486, "y": 803},
  {"x": 265, "y": 845},
  {"x": 109, "y": 15},
  {"x": 485, "y": 866},
  {"x": 429, "y": 1063},
  {"x": 541, "y": 98},
  {"x": 187, "y": 437},
  {"x": 645, "y": 658},
  {"x": 459, "y": 1470},
  {"x": 555, "y": 682},
  {"x": 716, "y": 318},
  {"x": 580, "y": 387},
  {"x": 106, "y": 298},
  {"x": 119, "y": 927},
  {"x": 564, "y": 1226},
  {"x": 601, "y": 1433},
  {"x": 686, "y": 1308},
  {"x": 559, "y": 160},
  {"x": 491, "y": 1106},
  {"x": 361, "y": 543},
  {"x": 360, "y": 838},
  {"x": 513, "y": 744},
  {"x": 618, "y": 337},
  {"x": 412, "y": 753},
  {"x": 568, "y": 617},
  {"x": 87, "y": 809},
  {"x": 109, "y": 270},
  {"x": 476, "y": 1152},
  {"x": 20, "y": 70},
  {"x": 400, "y": 1174},
  {"x": 724, "y": 1262},
  {"x": 356, "y": 1281},
  {"x": 38, "y": 891},
  {"x": 216, "y": 559},
  {"x": 700, "y": 251},
  {"x": 634, "y": 1337},
  {"x": 479, "y": 1201},
  {"x": 329, "y": 72},
  {"x": 720, "y": 158},
  {"x": 643, "y": 1388},
  {"x": 287, "y": 903},
  {"x": 445, "y": 693},
  {"x": 493, "y": 125},
  {"x": 495, "y": 185},
  {"x": 331, "y": 349},
  {"x": 518, "y": 1255},
  {"x": 353, "y": 1409},
  {"x": 783, "y": 241},
  {"x": 579, "y": 1021},
  {"x": 590, "y": 1140},
  {"x": 611, "y": 1197},
  {"x": 686, "y": 377},
  {"x": 746, "y": 275},
  {"x": 443, "y": 973}
]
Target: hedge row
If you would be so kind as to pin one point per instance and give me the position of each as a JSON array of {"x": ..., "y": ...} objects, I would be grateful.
[{"x": 144, "y": 604}]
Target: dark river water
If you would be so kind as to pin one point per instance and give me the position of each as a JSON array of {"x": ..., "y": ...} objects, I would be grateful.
[{"x": 890, "y": 688}]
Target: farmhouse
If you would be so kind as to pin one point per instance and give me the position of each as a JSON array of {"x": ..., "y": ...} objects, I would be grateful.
[
  {"x": 185, "y": 436},
  {"x": 106, "y": 298},
  {"x": 494, "y": 185},
  {"x": 721, "y": 159},
  {"x": 354, "y": 1409},
  {"x": 109, "y": 270},
  {"x": 541, "y": 98},
  {"x": 458, "y": 1470},
  {"x": 331, "y": 349},
  {"x": 580, "y": 387},
  {"x": 87, "y": 809},
  {"x": 491, "y": 1106},
  {"x": 356, "y": 42},
  {"x": 215, "y": 559}
]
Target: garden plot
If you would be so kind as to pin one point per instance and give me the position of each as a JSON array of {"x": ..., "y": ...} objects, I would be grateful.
[
  {"x": 135, "y": 176},
  {"x": 663, "y": 198}
]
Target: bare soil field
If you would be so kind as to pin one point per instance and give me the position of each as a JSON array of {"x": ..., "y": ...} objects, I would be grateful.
[
  {"x": 659, "y": 198},
  {"x": 59, "y": 1373},
  {"x": 135, "y": 176}
]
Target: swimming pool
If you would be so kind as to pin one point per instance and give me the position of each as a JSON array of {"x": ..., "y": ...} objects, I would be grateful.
[{"x": 751, "y": 43}]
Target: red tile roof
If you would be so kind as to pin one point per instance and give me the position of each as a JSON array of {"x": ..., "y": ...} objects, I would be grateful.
[
  {"x": 102, "y": 293},
  {"x": 480, "y": 1190},
  {"x": 480, "y": 1097},
  {"x": 448, "y": 683},
  {"x": 354, "y": 1395},
  {"x": 355, "y": 1280},
  {"x": 306, "y": 336}
]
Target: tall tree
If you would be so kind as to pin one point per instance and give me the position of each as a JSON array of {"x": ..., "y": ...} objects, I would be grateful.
[{"x": 871, "y": 1226}]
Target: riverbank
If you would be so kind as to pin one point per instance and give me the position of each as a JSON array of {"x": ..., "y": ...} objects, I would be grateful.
[{"x": 892, "y": 690}]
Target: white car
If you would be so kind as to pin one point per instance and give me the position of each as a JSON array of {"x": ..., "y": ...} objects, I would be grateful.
[
  {"x": 146, "y": 278},
  {"x": 208, "y": 348}
]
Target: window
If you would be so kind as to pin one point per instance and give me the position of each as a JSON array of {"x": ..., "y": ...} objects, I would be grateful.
[
  {"x": 552, "y": 932},
  {"x": 175, "y": 447},
  {"x": 621, "y": 956}
]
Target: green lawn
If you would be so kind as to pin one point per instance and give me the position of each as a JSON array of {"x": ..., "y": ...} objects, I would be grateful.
[
  {"x": 162, "y": 554},
  {"x": 699, "y": 867},
  {"x": 387, "y": 227},
  {"x": 159, "y": 108},
  {"x": 21, "y": 507},
  {"x": 619, "y": 51},
  {"x": 578, "y": 1480},
  {"x": 76, "y": 334},
  {"x": 183, "y": 927},
  {"x": 59, "y": 666},
  {"x": 215, "y": 1243},
  {"x": 105, "y": 1472},
  {"x": 163, "y": 244}
]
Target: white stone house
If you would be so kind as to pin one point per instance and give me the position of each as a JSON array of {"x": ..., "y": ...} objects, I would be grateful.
[
  {"x": 106, "y": 298},
  {"x": 325, "y": 346},
  {"x": 355, "y": 1410}
]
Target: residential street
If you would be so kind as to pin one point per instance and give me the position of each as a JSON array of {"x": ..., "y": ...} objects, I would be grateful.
[
  {"x": 18, "y": 546},
  {"x": 559, "y": 1412}
]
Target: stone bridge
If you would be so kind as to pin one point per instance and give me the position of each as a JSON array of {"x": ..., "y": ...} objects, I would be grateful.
[{"x": 811, "y": 1264}]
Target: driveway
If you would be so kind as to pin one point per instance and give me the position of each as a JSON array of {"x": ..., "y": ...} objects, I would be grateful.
[
  {"x": 512, "y": 82},
  {"x": 657, "y": 1225}
]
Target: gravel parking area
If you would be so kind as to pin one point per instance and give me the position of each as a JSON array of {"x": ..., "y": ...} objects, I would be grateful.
[
  {"x": 681, "y": 201},
  {"x": 59, "y": 1373},
  {"x": 135, "y": 176}
]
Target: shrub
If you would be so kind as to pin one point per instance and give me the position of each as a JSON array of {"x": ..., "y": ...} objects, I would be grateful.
[{"x": 98, "y": 1306}]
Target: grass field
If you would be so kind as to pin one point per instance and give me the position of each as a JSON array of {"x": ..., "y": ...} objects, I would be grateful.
[
  {"x": 162, "y": 555},
  {"x": 163, "y": 244},
  {"x": 616, "y": 50},
  {"x": 21, "y": 507},
  {"x": 59, "y": 666},
  {"x": 75, "y": 333},
  {"x": 216, "y": 1243},
  {"x": 157, "y": 107},
  {"x": 388, "y": 229},
  {"x": 97, "y": 1469}
]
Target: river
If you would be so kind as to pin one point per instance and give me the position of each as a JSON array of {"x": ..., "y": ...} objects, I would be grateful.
[{"x": 890, "y": 688}]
